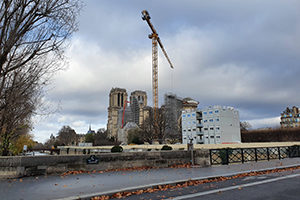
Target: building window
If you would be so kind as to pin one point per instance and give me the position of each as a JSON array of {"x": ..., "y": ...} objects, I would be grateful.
[
  {"x": 211, "y": 128},
  {"x": 211, "y": 136},
  {"x": 193, "y": 114},
  {"x": 204, "y": 113},
  {"x": 188, "y": 115},
  {"x": 205, "y": 121},
  {"x": 205, "y": 129},
  {"x": 194, "y": 129},
  {"x": 211, "y": 120},
  {"x": 183, "y": 115},
  {"x": 216, "y": 111},
  {"x": 217, "y": 119},
  {"x": 218, "y": 128},
  {"x": 218, "y": 136},
  {"x": 210, "y": 112}
]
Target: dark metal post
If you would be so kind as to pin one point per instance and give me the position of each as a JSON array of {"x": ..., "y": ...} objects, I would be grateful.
[
  {"x": 268, "y": 154},
  {"x": 255, "y": 151},
  {"x": 210, "y": 155},
  {"x": 227, "y": 156},
  {"x": 279, "y": 153},
  {"x": 242, "y": 154}
]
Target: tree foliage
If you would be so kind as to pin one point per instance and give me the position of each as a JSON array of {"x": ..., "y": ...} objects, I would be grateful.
[
  {"x": 135, "y": 136},
  {"x": 271, "y": 135},
  {"x": 101, "y": 138},
  {"x": 90, "y": 138},
  {"x": 32, "y": 43},
  {"x": 18, "y": 145}
]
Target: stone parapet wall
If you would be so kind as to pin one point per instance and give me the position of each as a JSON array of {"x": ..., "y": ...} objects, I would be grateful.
[
  {"x": 18, "y": 166},
  {"x": 75, "y": 150}
]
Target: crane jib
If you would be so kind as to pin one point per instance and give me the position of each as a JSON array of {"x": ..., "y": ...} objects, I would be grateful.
[{"x": 147, "y": 18}]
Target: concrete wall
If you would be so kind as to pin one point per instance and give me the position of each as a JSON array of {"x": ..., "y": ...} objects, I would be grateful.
[{"x": 18, "y": 166}]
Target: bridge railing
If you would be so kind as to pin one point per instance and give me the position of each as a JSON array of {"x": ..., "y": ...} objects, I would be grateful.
[{"x": 241, "y": 155}]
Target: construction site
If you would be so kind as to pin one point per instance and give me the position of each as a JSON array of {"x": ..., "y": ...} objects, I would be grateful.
[
  {"x": 175, "y": 121},
  {"x": 125, "y": 114}
]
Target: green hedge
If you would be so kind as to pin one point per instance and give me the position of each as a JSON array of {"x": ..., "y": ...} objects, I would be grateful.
[
  {"x": 116, "y": 149},
  {"x": 166, "y": 147}
]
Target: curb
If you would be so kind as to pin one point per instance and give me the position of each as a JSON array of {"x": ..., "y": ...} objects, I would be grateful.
[{"x": 130, "y": 189}]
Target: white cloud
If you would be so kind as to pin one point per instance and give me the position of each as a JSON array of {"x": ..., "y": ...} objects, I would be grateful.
[{"x": 265, "y": 122}]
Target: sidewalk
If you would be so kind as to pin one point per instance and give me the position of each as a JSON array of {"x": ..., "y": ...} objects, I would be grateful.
[{"x": 84, "y": 185}]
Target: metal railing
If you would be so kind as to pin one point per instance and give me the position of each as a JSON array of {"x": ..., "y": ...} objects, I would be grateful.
[{"x": 242, "y": 155}]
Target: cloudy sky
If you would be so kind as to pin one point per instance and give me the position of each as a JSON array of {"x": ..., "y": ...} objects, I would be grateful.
[{"x": 236, "y": 53}]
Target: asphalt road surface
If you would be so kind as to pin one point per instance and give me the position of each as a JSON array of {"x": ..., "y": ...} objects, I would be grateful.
[
  {"x": 83, "y": 185},
  {"x": 275, "y": 186}
]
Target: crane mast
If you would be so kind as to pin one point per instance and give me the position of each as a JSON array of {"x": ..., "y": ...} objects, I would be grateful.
[{"x": 155, "y": 40}]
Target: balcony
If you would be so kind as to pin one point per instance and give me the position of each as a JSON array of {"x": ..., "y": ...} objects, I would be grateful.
[
  {"x": 199, "y": 125},
  {"x": 199, "y": 133}
]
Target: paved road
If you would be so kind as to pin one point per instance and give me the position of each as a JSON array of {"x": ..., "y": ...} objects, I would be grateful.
[
  {"x": 56, "y": 187},
  {"x": 275, "y": 186}
]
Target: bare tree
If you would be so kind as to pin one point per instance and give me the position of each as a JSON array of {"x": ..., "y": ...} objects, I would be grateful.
[
  {"x": 33, "y": 35},
  {"x": 67, "y": 136},
  {"x": 101, "y": 138},
  {"x": 245, "y": 126},
  {"x": 154, "y": 130}
]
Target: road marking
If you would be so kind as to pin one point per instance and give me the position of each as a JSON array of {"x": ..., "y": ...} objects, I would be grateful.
[{"x": 235, "y": 187}]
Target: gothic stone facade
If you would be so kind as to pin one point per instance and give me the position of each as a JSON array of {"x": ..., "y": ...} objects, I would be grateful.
[{"x": 117, "y": 96}]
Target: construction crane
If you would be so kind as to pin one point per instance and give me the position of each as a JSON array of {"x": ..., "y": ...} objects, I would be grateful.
[{"x": 155, "y": 39}]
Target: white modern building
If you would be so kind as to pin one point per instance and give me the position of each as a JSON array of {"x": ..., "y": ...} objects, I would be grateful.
[
  {"x": 192, "y": 127},
  {"x": 211, "y": 125}
]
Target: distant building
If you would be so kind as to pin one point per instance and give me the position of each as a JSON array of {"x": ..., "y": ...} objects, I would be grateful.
[
  {"x": 90, "y": 131},
  {"x": 117, "y": 96},
  {"x": 172, "y": 111},
  {"x": 290, "y": 118},
  {"x": 189, "y": 104},
  {"x": 192, "y": 127},
  {"x": 138, "y": 102},
  {"x": 119, "y": 113},
  {"x": 80, "y": 138},
  {"x": 123, "y": 132},
  {"x": 211, "y": 125}
]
